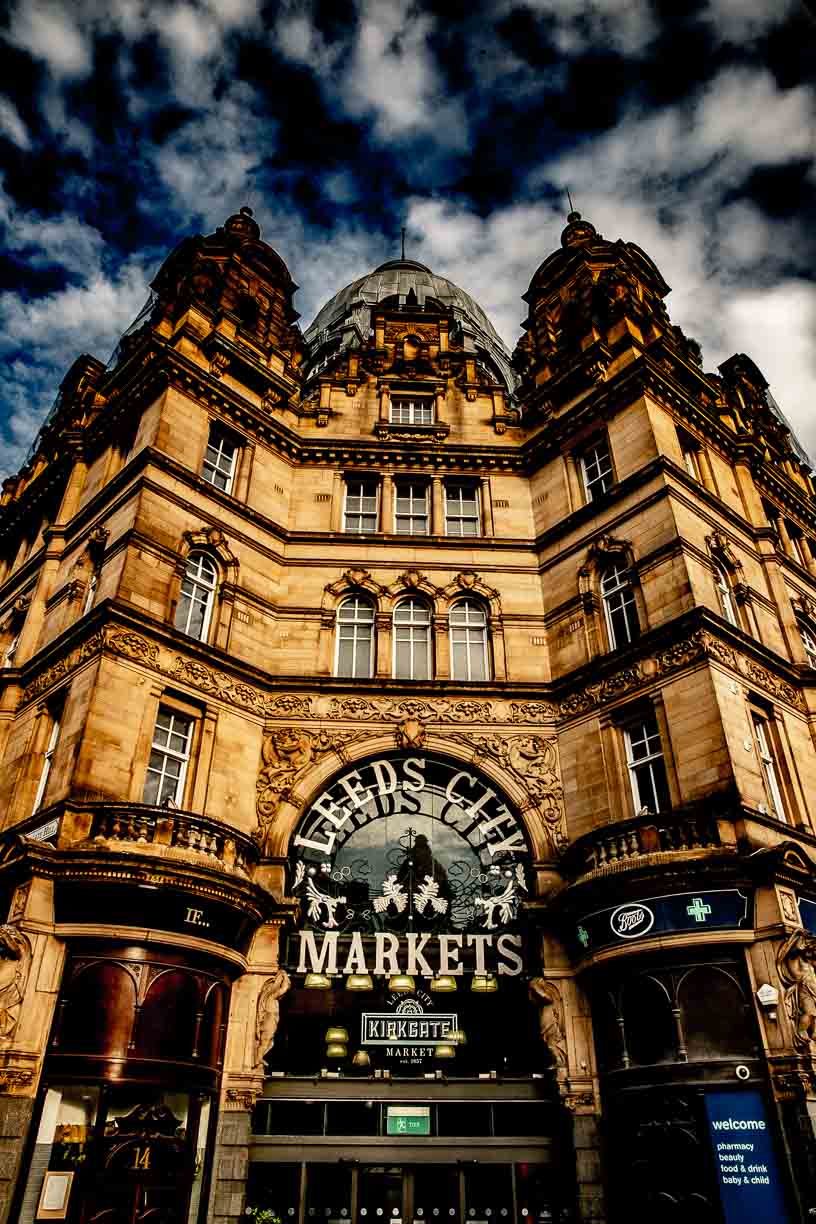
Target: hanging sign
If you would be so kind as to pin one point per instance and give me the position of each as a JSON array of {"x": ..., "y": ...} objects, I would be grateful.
[
  {"x": 747, "y": 1171},
  {"x": 408, "y": 1120},
  {"x": 718, "y": 909}
]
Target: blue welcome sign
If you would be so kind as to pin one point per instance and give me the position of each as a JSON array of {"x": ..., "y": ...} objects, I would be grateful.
[
  {"x": 717, "y": 909},
  {"x": 747, "y": 1171}
]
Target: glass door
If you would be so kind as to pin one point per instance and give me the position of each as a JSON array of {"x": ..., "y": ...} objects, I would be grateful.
[
  {"x": 381, "y": 1194},
  {"x": 435, "y": 1195}
]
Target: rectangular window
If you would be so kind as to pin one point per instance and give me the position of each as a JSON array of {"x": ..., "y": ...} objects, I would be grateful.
[
  {"x": 362, "y": 507},
  {"x": 406, "y": 410},
  {"x": 809, "y": 643},
  {"x": 411, "y": 514},
  {"x": 763, "y": 734},
  {"x": 596, "y": 469},
  {"x": 462, "y": 510},
  {"x": 169, "y": 758},
  {"x": 220, "y": 460},
  {"x": 48, "y": 757},
  {"x": 647, "y": 769}
]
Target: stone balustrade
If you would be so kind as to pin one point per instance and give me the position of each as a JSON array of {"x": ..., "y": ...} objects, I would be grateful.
[
  {"x": 174, "y": 834},
  {"x": 627, "y": 844}
]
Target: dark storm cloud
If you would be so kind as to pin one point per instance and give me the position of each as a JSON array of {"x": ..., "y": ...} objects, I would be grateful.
[{"x": 124, "y": 126}]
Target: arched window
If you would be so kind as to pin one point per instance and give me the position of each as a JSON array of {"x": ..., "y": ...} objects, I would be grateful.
[
  {"x": 619, "y": 605},
  {"x": 355, "y": 638},
  {"x": 725, "y": 595},
  {"x": 197, "y": 596},
  {"x": 468, "y": 638},
  {"x": 412, "y": 640}
]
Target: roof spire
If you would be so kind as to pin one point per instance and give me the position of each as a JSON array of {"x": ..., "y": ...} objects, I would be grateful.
[
  {"x": 403, "y": 243},
  {"x": 569, "y": 197}
]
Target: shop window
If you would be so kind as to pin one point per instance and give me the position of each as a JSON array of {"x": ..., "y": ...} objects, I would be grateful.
[
  {"x": 197, "y": 598},
  {"x": 647, "y": 767},
  {"x": 769, "y": 756},
  {"x": 412, "y": 640},
  {"x": 275, "y": 1188},
  {"x": 53, "y": 718},
  {"x": 107, "y": 992},
  {"x": 220, "y": 459},
  {"x": 361, "y": 511},
  {"x": 169, "y": 759},
  {"x": 411, "y": 511},
  {"x": 167, "y": 1017},
  {"x": 715, "y": 1015},
  {"x": 725, "y": 595},
  {"x": 620, "y": 610},
  {"x": 470, "y": 1119},
  {"x": 355, "y": 638},
  {"x": 648, "y": 1022},
  {"x": 468, "y": 641},
  {"x": 289, "y": 1118},
  {"x": 411, "y": 410},
  {"x": 596, "y": 470},
  {"x": 352, "y": 1118},
  {"x": 328, "y": 1196},
  {"x": 462, "y": 516}
]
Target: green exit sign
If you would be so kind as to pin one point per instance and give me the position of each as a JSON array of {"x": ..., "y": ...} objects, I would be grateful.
[{"x": 408, "y": 1120}]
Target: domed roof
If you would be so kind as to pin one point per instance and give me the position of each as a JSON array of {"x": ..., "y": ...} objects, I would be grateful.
[{"x": 350, "y": 309}]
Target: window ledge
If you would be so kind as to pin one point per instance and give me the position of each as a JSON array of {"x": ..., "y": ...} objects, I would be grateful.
[{"x": 388, "y": 431}]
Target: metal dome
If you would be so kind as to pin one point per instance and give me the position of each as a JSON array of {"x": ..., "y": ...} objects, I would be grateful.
[{"x": 349, "y": 312}]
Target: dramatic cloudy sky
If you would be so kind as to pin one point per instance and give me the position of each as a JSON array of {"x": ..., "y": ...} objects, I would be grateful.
[{"x": 127, "y": 124}]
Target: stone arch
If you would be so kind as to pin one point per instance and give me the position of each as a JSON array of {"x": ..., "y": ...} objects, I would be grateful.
[
  {"x": 722, "y": 552},
  {"x": 316, "y": 757},
  {"x": 607, "y": 550},
  {"x": 213, "y": 543},
  {"x": 350, "y": 582},
  {"x": 411, "y": 582},
  {"x": 468, "y": 582}
]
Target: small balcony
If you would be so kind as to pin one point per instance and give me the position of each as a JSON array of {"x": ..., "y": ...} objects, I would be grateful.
[
  {"x": 648, "y": 841},
  {"x": 178, "y": 837}
]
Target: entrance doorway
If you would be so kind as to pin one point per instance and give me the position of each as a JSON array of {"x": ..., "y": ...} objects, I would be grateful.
[{"x": 352, "y": 1192}]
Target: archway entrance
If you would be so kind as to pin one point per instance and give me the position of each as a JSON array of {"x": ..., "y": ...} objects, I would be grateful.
[{"x": 408, "y": 1082}]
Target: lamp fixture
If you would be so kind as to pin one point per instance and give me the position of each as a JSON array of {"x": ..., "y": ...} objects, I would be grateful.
[
  {"x": 316, "y": 981},
  {"x": 401, "y": 983},
  {"x": 361, "y": 1059},
  {"x": 335, "y": 1034},
  {"x": 484, "y": 983},
  {"x": 457, "y": 1037},
  {"x": 442, "y": 983},
  {"x": 336, "y": 1049},
  {"x": 359, "y": 981},
  {"x": 445, "y": 1051}
]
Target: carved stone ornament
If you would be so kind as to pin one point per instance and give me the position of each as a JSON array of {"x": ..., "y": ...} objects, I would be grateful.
[
  {"x": 285, "y": 754},
  {"x": 267, "y": 1014},
  {"x": 794, "y": 963},
  {"x": 547, "y": 997},
  {"x": 410, "y": 733},
  {"x": 242, "y": 1098},
  {"x": 15, "y": 961},
  {"x": 97, "y": 543},
  {"x": 533, "y": 760}
]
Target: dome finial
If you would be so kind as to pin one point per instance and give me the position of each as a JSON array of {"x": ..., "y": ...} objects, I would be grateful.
[
  {"x": 577, "y": 231},
  {"x": 243, "y": 224}
]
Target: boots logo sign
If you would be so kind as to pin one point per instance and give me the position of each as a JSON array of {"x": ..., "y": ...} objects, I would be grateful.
[{"x": 630, "y": 921}]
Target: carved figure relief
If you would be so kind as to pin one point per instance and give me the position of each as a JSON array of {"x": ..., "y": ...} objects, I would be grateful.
[
  {"x": 267, "y": 1014},
  {"x": 15, "y": 960},
  {"x": 534, "y": 761},
  {"x": 285, "y": 754},
  {"x": 547, "y": 997},
  {"x": 794, "y": 962}
]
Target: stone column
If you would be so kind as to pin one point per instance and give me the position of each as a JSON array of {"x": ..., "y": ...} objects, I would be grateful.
[
  {"x": 437, "y": 507},
  {"x": 387, "y": 507},
  {"x": 231, "y": 1159}
]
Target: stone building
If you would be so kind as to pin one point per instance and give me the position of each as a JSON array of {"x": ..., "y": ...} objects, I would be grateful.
[{"x": 408, "y": 773}]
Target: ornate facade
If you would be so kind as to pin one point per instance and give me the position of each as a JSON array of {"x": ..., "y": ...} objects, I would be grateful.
[{"x": 408, "y": 762}]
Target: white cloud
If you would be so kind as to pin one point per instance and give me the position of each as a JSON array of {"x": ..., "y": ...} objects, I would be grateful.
[
  {"x": 49, "y": 32},
  {"x": 12, "y": 126}
]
